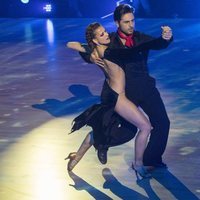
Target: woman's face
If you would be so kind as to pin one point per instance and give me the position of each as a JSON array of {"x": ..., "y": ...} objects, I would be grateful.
[{"x": 101, "y": 36}]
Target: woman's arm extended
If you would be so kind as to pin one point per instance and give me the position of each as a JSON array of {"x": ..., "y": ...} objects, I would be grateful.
[{"x": 76, "y": 46}]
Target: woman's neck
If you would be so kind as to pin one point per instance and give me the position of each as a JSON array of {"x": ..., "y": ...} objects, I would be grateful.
[{"x": 100, "y": 50}]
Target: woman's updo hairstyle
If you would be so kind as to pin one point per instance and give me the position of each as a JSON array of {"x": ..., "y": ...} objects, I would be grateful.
[{"x": 90, "y": 34}]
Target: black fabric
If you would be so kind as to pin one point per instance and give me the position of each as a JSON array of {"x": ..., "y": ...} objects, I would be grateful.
[
  {"x": 108, "y": 95},
  {"x": 141, "y": 90},
  {"x": 86, "y": 55},
  {"x": 132, "y": 60},
  {"x": 109, "y": 129},
  {"x": 130, "y": 54}
]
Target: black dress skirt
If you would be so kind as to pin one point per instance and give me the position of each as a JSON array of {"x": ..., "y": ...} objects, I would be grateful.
[{"x": 109, "y": 129}]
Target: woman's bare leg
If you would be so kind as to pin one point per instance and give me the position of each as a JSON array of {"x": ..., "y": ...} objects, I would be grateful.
[
  {"x": 132, "y": 114},
  {"x": 86, "y": 144},
  {"x": 75, "y": 157}
]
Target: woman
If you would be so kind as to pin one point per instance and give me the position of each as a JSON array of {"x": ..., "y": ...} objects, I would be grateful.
[{"x": 113, "y": 96}]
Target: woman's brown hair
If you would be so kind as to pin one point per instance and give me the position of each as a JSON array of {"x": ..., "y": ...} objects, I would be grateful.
[{"x": 90, "y": 35}]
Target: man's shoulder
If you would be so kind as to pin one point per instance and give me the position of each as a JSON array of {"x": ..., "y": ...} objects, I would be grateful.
[
  {"x": 142, "y": 37},
  {"x": 114, "y": 40},
  {"x": 139, "y": 34},
  {"x": 113, "y": 35}
]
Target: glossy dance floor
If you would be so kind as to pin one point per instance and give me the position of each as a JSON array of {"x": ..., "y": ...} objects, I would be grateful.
[{"x": 43, "y": 86}]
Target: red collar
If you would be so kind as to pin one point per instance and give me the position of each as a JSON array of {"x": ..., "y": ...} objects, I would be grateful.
[{"x": 129, "y": 38}]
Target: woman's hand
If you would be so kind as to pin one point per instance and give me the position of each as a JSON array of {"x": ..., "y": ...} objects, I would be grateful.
[{"x": 95, "y": 59}]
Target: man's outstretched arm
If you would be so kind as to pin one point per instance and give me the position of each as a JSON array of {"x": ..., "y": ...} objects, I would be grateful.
[{"x": 164, "y": 40}]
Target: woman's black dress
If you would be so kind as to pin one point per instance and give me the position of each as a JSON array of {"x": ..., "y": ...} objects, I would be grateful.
[{"x": 109, "y": 129}]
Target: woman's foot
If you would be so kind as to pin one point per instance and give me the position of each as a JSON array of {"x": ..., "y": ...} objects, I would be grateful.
[
  {"x": 141, "y": 172},
  {"x": 72, "y": 161}
]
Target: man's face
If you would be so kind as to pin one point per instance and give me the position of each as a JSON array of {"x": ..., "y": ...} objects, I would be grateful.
[{"x": 127, "y": 23}]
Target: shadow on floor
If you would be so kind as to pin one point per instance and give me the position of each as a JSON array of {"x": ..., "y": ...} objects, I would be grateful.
[
  {"x": 80, "y": 184},
  {"x": 172, "y": 184},
  {"x": 163, "y": 176},
  {"x": 82, "y": 99},
  {"x": 118, "y": 189},
  {"x": 110, "y": 183}
]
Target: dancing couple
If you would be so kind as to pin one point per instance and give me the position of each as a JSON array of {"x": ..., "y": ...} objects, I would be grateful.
[{"x": 122, "y": 56}]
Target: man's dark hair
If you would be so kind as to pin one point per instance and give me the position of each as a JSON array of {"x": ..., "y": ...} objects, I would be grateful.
[{"x": 121, "y": 10}]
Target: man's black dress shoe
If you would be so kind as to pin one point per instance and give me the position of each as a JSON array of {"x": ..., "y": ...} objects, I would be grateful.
[{"x": 102, "y": 155}]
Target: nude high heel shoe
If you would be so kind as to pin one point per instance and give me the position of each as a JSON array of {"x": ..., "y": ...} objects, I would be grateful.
[{"x": 72, "y": 161}]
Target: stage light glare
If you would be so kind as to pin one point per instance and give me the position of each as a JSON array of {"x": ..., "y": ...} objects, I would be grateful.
[
  {"x": 50, "y": 31},
  {"x": 25, "y": 1},
  {"x": 47, "y": 8}
]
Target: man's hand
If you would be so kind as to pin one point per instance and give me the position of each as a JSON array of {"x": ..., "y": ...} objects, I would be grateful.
[
  {"x": 166, "y": 32},
  {"x": 95, "y": 59}
]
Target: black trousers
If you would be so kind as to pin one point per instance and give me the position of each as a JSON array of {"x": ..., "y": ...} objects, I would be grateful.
[{"x": 142, "y": 91}]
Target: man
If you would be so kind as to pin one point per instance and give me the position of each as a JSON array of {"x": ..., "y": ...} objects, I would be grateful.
[{"x": 140, "y": 86}]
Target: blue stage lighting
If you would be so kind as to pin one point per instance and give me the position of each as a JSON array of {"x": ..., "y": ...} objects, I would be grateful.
[
  {"x": 50, "y": 32},
  {"x": 25, "y": 1},
  {"x": 47, "y": 8}
]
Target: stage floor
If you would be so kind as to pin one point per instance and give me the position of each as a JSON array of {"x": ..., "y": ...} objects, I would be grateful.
[{"x": 44, "y": 85}]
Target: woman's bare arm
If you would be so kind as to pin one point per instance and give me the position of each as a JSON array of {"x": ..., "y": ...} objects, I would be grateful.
[{"x": 76, "y": 46}]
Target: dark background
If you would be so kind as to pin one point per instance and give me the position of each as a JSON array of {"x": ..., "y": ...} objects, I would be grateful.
[{"x": 100, "y": 8}]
